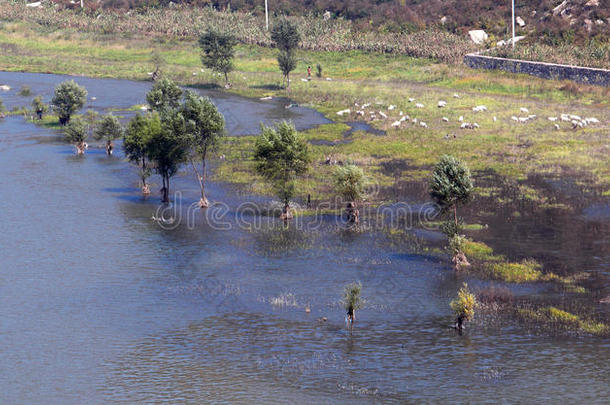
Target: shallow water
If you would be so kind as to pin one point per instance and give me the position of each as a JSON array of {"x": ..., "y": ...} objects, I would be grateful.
[{"x": 100, "y": 304}]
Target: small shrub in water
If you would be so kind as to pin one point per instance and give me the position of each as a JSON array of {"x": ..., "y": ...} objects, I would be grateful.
[
  {"x": 463, "y": 306},
  {"x": 25, "y": 91},
  {"x": 351, "y": 299}
]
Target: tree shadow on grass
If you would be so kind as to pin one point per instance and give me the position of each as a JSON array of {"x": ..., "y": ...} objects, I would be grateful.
[
  {"x": 206, "y": 86},
  {"x": 267, "y": 87}
]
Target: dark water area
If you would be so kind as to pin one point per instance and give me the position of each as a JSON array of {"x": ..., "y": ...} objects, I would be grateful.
[{"x": 101, "y": 304}]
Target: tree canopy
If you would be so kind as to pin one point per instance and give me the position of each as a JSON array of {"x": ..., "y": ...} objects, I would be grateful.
[
  {"x": 164, "y": 95},
  {"x": 285, "y": 35},
  {"x": 281, "y": 156},
  {"x": 451, "y": 183},
  {"x": 108, "y": 128},
  {"x": 349, "y": 182},
  {"x": 217, "y": 51},
  {"x": 69, "y": 97}
]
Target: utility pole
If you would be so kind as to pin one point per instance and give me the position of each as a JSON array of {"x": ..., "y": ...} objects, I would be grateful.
[
  {"x": 513, "y": 22},
  {"x": 267, "y": 16}
]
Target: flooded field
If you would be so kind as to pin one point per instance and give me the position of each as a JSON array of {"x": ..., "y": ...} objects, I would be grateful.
[{"x": 100, "y": 304}]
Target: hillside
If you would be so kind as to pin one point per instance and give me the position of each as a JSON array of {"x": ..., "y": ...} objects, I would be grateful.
[{"x": 552, "y": 21}]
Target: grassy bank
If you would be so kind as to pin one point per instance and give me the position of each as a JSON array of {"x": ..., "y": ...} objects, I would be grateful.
[{"x": 508, "y": 148}]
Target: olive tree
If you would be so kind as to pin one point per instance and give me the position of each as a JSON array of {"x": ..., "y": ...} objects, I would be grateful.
[
  {"x": 108, "y": 128},
  {"x": 39, "y": 107},
  {"x": 205, "y": 127},
  {"x": 463, "y": 306},
  {"x": 286, "y": 38},
  {"x": 69, "y": 97},
  {"x": 164, "y": 95},
  {"x": 281, "y": 156},
  {"x": 349, "y": 183},
  {"x": 167, "y": 146},
  {"x": 76, "y": 133},
  {"x": 136, "y": 142},
  {"x": 217, "y": 51}
]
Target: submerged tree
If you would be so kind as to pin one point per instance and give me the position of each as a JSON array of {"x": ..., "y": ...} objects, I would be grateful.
[
  {"x": 108, "y": 128},
  {"x": 463, "y": 306},
  {"x": 286, "y": 38},
  {"x": 2, "y": 109},
  {"x": 164, "y": 95},
  {"x": 39, "y": 107},
  {"x": 76, "y": 133},
  {"x": 349, "y": 182},
  {"x": 351, "y": 300},
  {"x": 205, "y": 126},
  {"x": 217, "y": 52},
  {"x": 69, "y": 97},
  {"x": 281, "y": 156},
  {"x": 136, "y": 142},
  {"x": 167, "y": 146}
]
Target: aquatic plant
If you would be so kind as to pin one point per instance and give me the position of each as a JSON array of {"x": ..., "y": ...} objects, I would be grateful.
[
  {"x": 217, "y": 51},
  {"x": 349, "y": 183},
  {"x": 25, "y": 91},
  {"x": 69, "y": 97},
  {"x": 463, "y": 306},
  {"x": 205, "y": 126},
  {"x": 352, "y": 300},
  {"x": 108, "y": 128},
  {"x": 281, "y": 156}
]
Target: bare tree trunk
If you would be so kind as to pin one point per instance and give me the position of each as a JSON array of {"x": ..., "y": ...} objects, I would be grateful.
[
  {"x": 203, "y": 202},
  {"x": 455, "y": 214},
  {"x": 145, "y": 188},
  {"x": 286, "y": 214},
  {"x": 353, "y": 215},
  {"x": 166, "y": 189}
]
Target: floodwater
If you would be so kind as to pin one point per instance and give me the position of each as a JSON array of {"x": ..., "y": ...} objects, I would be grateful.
[{"x": 101, "y": 304}]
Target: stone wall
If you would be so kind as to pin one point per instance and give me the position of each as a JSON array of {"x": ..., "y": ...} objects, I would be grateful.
[{"x": 599, "y": 77}]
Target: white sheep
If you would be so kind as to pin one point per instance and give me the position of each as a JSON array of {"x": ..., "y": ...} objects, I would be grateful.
[
  {"x": 396, "y": 123},
  {"x": 455, "y": 95},
  {"x": 524, "y": 110},
  {"x": 390, "y": 108},
  {"x": 445, "y": 119},
  {"x": 346, "y": 111},
  {"x": 441, "y": 104},
  {"x": 423, "y": 124},
  {"x": 461, "y": 118},
  {"x": 552, "y": 119},
  {"x": 419, "y": 105},
  {"x": 411, "y": 100},
  {"x": 383, "y": 115}
]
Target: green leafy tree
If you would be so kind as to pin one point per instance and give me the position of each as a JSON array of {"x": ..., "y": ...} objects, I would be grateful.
[
  {"x": 286, "y": 38},
  {"x": 281, "y": 156},
  {"x": 108, "y": 128},
  {"x": 285, "y": 35},
  {"x": 76, "y": 133},
  {"x": 217, "y": 51},
  {"x": 352, "y": 300},
  {"x": 205, "y": 127},
  {"x": 164, "y": 95},
  {"x": 167, "y": 146},
  {"x": 69, "y": 97},
  {"x": 39, "y": 107},
  {"x": 451, "y": 184},
  {"x": 287, "y": 62},
  {"x": 349, "y": 183},
  {"x": 463, "y": 306},
  {"x": 136, "y": 142}
]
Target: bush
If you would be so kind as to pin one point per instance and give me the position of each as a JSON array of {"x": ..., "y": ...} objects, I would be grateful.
[
  {"x": 463, "y": 306},
  {"x": 69, "y": 97},
  {"x": 457, "y": 244},
  {"x": 351, "y": 296}
]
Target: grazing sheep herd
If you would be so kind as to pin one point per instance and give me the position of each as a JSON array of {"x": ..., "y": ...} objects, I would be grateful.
[{"x": 367, "y": 112}]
